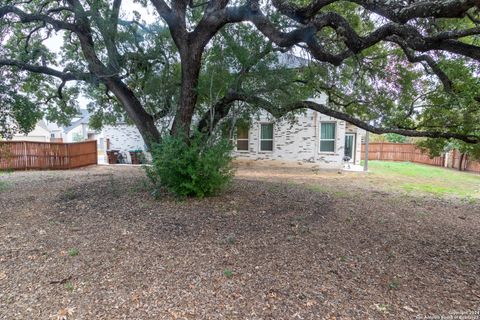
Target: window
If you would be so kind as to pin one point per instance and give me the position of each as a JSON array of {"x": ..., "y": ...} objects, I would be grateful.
[
  {"x": 327, "y": 136},
  {"x": 266, "y": 137},
  {"x": 242, "y": 138}
]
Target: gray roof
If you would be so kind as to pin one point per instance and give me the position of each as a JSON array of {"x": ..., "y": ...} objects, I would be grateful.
[{"x": 84, "y": 119}]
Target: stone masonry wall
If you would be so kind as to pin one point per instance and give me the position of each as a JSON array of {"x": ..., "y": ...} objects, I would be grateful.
[{"x": 297, "y": 142}]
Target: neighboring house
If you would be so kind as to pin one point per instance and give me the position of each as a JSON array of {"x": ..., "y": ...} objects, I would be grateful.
[
  {"x": 79, "y": 129},
  {"x": 40, "y": 133}
]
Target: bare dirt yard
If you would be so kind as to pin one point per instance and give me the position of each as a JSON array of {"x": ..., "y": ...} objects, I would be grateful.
[{"x": 280, "y": 243}]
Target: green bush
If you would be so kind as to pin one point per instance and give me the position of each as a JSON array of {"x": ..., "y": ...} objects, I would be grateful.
[
  {"x": 395, "y": 138},
  {"x": 197, "y": 167}
]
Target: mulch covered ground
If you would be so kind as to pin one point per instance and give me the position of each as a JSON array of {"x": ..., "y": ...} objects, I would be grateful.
[{"x": 278, "y": 244}]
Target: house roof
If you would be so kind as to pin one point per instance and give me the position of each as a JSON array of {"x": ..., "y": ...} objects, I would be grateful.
[
  {"x": 43, "y": 125},
  {"x": 84, "y": 119}
]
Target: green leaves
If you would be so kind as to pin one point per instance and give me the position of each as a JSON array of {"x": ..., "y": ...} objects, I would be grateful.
[
  {"x": 198, "y": 167},
  {"x": 18, "y": 114},
  {"x": 377, "y": 83}
]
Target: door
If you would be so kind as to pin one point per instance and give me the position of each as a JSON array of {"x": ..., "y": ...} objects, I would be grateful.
[{"x": 350, "y": 146}]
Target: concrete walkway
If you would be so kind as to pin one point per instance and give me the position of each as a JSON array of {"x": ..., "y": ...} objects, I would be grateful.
[{"x": 352, "y": 167}]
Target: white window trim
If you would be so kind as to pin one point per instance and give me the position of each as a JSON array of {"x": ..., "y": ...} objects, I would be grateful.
[
  {"x": 334, "y": 139},
  {"x": 260, "y": 137}
]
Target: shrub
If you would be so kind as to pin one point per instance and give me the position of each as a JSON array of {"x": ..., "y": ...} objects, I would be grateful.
[
  {"x": 395, "y": 138},
  {"x": 196, "y": 167}
]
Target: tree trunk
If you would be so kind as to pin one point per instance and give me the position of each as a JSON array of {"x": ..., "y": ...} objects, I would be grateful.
[
  {"x": 142, "y": 120},
  {"x": 460, "y": 162},
  {"x": 191, "y": 64}
]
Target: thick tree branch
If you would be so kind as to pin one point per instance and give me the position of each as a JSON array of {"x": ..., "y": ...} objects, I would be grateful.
[
  {"x": 397, "y": 11},
  {"x": 220, "y": 110},
  {"x": 222, "y": 107},
  {"x": 279, "y": 112},
  {"x": 447, "y": 83},
  {"x": 355, "y": 43},
  {"x": 36, "y": 17},
  {"x": 174, "y": 19},
  {"x": 63, "y": 75},
  {"x": 378, "y": 130},
  {"x": 125, "y": 95}
]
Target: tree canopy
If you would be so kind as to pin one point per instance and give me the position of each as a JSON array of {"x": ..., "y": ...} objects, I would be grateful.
[{"x": 404, "y": 67}]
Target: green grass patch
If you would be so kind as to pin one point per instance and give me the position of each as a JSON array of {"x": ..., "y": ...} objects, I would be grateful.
[
  {"x": 433, "y": 189},
  {"x": 228, "y": 273},
  {"x": 69, "y": 286},
  {"x": 413, "y": 177},
  {"x": 73, "y": 252}
]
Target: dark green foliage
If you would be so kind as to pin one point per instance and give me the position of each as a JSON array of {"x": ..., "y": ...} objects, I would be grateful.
[
  {"x": 197, "y": 167},
  {"x": 379, "y": 84},
  {"x": 395, "y": 138},
  {"x": 18, "y": 114}
]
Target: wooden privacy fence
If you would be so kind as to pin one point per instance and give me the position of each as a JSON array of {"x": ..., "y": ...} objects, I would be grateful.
[
  {"x": 26, "y": 155},
  {"x": 409, "y": 152},
  {"x": 453, "y": 161},
  {"x": 400, "y": 152}
]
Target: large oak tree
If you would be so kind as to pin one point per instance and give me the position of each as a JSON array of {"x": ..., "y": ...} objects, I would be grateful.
[{"x": 408, "y": 67}]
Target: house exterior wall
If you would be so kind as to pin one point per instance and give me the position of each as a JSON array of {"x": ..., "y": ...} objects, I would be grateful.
[
  {"x": 292, "y": 141},
  {"x": 72, "y": 134},
  {"x": 298, "y": 141},
  {"x": 359, "y": 134},
  {"x": 123, "y": 137}
]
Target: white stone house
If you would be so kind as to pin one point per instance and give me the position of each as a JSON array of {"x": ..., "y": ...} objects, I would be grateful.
[{"x": 313, "y": 137}]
